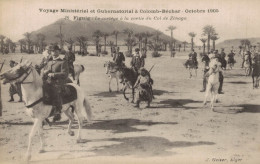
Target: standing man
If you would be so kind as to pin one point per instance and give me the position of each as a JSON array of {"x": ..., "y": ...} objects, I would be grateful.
[
  {"x": 119, "y": 58},
  {"x": 55, "y": 76},
  {"x": 137, "y": 61},
  {"x": 205, "y": 59},
  {"x": 70, "y": 57},
  {"x": 15, "y": 87},
  {"x": 222, "y": 59}
]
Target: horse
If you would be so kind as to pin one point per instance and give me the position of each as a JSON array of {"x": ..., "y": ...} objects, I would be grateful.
[
  {"x": 231, "y": 61},
  {"x": 212, "y": 86},
  {"x": 31, "y": 84},
  {"x": 128, "y": 77},
  {"x": 191, "y": 65},
  {"x": 113, "y": 73},
  {"x": 256, "y": 72},
  {"x": 247, "y": 65},
  {"x": 78, "y": 69}
]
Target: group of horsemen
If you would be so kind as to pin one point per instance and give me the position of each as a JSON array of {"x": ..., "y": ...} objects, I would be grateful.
[{"x": 56, "y": 68}]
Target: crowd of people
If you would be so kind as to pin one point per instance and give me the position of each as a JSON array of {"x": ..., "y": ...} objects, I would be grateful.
[{"x": 56, "y": 69}]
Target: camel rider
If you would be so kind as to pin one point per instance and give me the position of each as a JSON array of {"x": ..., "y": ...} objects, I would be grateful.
[
  {"x": 70, "y": 57},
  {"x": 137, "y": 60},
  {"x": 193, "y": 58},
  {"x": 15, "y": 87},
  {"x": 119, "y": 58},
  {"x": 55, "y": 75}
]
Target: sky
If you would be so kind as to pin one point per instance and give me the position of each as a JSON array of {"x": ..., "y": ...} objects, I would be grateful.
[{"x": 234, "y": 19}]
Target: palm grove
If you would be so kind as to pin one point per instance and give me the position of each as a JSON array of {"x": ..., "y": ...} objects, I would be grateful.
[{"x": 103, "y": 41}]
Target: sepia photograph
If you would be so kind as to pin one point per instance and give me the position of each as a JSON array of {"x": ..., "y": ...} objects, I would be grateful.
[{"x": 140, "y": 81}]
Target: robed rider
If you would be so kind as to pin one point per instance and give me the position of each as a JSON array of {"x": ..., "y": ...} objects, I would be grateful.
[{"x": 55, "y": 75}]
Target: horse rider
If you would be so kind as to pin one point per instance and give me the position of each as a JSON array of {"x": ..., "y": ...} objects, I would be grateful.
[
  {"x": 55, "y": 76},
  {"x": 242, "y": 53},
  {"x": 46, "y": 57},
  {"x": 193, "y": 58},
  {"x": 119, "y": 58},
  {"x": 143, "y": 83},
  {"x": 137, "y": 60},
  {"x": 214, "y": 57},
  {"x": 70, "y": 57},
  {"x": 231, "y": 57},
  {"x": 205, "y": 60},
  {"x": 15, "y": 87}
]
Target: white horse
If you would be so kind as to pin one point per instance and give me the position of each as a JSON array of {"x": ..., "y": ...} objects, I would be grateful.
[
  {"x": 78, "y": 69},
  {"x": 247, "y": 65},
  {"x": 31, "y": 84},
  {"x": 113, "y": 73},
  {"x": 213, "y": 85}
]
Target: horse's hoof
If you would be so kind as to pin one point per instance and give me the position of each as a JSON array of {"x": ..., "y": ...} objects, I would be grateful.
[
  {"x": 217, "y": 101},
  {"x": 42, "y": 151},
  {"x": 81, "y": 140},
  {"x": 71, "y": 133},
  {"x": 110, "y": 90},
  {"x": 204, "y": 104}
]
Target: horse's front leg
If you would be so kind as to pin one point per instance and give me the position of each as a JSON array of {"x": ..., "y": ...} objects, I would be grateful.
[
  {"x": 40, "y": 132},
  {"x": 36, "y": 126},
  {"x": 196, "y": 72},
  {"x": 206, "y": 95},
  {"x": 190, "y": 73},
  {"x": 117, "y": 84},
  {"x": 71, "y": 119},
  {"x": 133, "y": 94},
  {"x": 109, "y": 84}
]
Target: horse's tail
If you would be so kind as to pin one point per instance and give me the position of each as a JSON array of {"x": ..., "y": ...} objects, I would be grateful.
[
  {"x": 83, "y": 68},
  {"x": 87, "y": 109}
]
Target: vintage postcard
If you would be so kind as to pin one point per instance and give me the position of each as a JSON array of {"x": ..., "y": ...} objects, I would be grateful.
[{"x": 140, "y": 81}]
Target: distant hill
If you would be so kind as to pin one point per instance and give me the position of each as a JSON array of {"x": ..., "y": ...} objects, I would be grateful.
[
  {"x": 236, "y": 42},
  {"x": 73, "y": 29}
]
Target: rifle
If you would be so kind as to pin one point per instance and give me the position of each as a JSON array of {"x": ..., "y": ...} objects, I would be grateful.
[
  {"x": 2, "y": 66},
  {"x": 151, "y": 68}
]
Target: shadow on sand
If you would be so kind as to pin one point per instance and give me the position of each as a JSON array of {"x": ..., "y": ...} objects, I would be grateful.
[
  {"x": 250, "y": 108},
  {"x": 108, "y": 94},
  {"x": 123, "y": 125},
  {"x": 238, "y": 82},
  {"x": 177, "y": 103},
  {"x": 143, "y": 146}
]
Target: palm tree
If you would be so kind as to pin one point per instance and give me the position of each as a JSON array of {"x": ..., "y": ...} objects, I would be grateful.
[
  {"x": 105, "y": 35},
  {"x": 70, "y": 42},
  {"x": 115, "y": 32},
  {"x": 165, "y": 42},
  {"x": 97, "y": 34},
  {"x": 22, "y": 44},
  {"x": 83, "y": 43},
  {"x": 111, "y": 44},
  {"x": 247, "y": 44},
  {"x": 146, "y": 35},
  {"x": 192, "y": 35},
  {"x": 40, "y": 40},
  {"x": 8, "y": 43},
  {"x": 214, "y": 37},
  {"x": 60, "y": 35},
  {"x": 129, "y": 40},
  {"x": 139, "y": 36},
  {"x": 157, "y": 34},
  {"x": 179, "y": 47},
  {"x": 171, "y": 28},
  {"x": 28, "y": 40},
  {"x": 203, "y": 40},
  {"x": 184, "y": 45},
  {"x": 208, "y": 30},
  {"x": 2, "y": 37}
]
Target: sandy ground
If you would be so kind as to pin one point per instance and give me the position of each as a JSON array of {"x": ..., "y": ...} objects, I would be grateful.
[{"x": 176, "y": 129}]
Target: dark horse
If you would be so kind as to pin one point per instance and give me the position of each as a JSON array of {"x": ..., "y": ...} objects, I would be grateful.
[{"x": 128, "y": 77}]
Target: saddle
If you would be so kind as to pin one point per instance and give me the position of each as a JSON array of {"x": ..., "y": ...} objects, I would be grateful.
[{"x": 68, "y": 94}]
